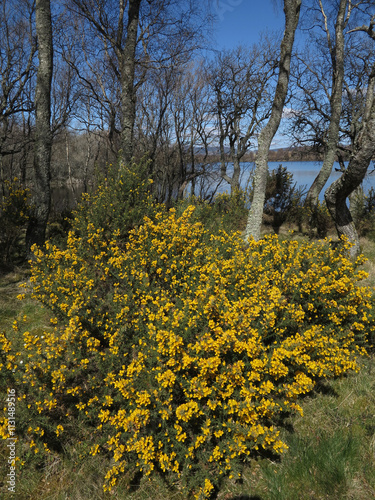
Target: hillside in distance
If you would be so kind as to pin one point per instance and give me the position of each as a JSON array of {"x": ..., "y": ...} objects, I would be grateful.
[{"x": 280, "y": 154}]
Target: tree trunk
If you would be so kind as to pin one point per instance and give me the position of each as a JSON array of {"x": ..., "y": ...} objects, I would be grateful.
[
  {"x": 128, "y": 94},
  {"x": 337, "y": 193},
  {"x": 36, "y": 230},
  {"x": 337, "y": 58},
  {"x": 254, "y": 222},
  {"x": 235, "y": 182}
]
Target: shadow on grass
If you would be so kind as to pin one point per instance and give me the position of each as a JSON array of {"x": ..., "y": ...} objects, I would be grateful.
[
  {"x": 324, "y": 388},
  {"x": 136, "y": 482},
  {"x": 246, "y": 497}
]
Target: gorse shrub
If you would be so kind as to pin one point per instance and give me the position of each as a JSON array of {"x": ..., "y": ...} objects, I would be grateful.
[
  {"x": 176, "y": 350},
  {"x": 226, "y": 211},
  {"x": 120, "y": 202}
]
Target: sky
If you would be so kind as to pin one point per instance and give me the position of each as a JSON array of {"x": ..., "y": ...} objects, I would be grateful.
[{"x": 242, "y": 21}]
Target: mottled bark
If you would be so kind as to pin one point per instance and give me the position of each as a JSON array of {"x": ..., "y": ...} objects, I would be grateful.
[
  {"x": 291, "y": 11},
  {"x": 128, "y": 94},
  {"x": 235, "y": 184},
  {"x": 43, "y": 137},
  {"x": 233, "y": 181},
  {"x": 337, "y": 194},
  {"x": 336, "y": 49}
]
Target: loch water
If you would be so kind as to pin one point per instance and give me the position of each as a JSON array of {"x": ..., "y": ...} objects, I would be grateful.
[{"x": 304, "y": 173}]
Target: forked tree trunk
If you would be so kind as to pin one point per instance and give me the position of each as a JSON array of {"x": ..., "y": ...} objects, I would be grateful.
[
  {"x": 36, "y": 230},
  {"x": 254, "y": 222},
  {"x": 336, "y": 48},
  {"x": 337, "y": 194},
  {"x": 339, "y": 191}
]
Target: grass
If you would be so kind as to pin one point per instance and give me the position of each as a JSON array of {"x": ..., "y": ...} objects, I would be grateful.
[
  {"x": 331, "y": 448},
  {"x": 13, "y": 309},
  {"x": 8, "y": 291},
  {"x": 368, "y": 249}
]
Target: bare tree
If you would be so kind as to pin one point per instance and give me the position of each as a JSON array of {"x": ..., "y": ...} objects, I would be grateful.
[
  {"x": 192, "y": 110},
  {"x": 336, "y": 49},
  {"x": 133, "y": 36},
  {"x": 66, "y": 93},
  {"x": 43, "y": 135},
  {"x": 17, "y": 70},
  {"x": 240, "y": 81},
  {"x": 115, "y": 25},
  {"x": 291, "y": 11},
  {"x": 361, "y": 156},
  {"x": 155, "y": 125}
]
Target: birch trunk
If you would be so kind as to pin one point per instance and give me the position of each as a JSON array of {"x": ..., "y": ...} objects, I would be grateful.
[
  {"x": 128, "y": 94},
  {"x": 254, "y": 222},
  {"x": 336, "y": 49},
  {"x": 36, "y": 230},
  {"x": 353, "y": 176}
]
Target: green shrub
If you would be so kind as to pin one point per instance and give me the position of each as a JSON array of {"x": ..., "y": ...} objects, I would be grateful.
[
  {"x": 282, "y": 198},
  {"x": 319, "y": 219},
  {"x": 226, "y": 212},
  {"x": 120, "y": 202},
  {"x": 362, "y": 209},
  {"x": 14, "y": 215}
]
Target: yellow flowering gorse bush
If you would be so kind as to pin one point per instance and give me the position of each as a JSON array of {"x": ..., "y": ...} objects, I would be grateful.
[{"x": 178, "y": 349}]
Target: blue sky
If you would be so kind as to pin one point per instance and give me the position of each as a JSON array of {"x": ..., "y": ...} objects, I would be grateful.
[{"x": 242, "y": 21}]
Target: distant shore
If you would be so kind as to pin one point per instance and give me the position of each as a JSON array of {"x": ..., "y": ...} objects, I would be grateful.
[{"x": 281, "y": 154}]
